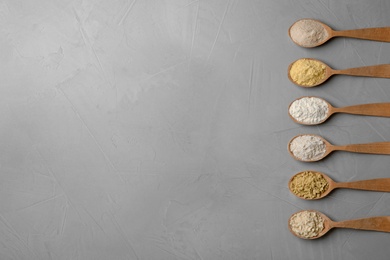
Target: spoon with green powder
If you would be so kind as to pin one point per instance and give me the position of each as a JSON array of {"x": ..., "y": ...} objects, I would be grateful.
[
  {"x": 314, "y": 110},
  {"x": 310, "y": 33},
  {"x": 311, "y": 148},
  {"x": 307, "y": 72},
  {"x": 312, "y": 224},
  {"x": 313, "y": 185}
]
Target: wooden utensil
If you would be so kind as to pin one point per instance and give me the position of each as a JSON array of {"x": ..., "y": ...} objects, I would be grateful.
[
  {"x": 382, "y": 184},
  {"x": 374, "y": 109},
  {"x": 380, "y": 223},
  {"x": 375, "y": 34},
  {"x": 370, "y": 148},
  {"x": 378, "y": 71}
]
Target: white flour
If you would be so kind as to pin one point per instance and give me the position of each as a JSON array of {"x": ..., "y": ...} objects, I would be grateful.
[
  {"x": 308, "y": 147},
  {"x": 308, "y": 33},
  {"x": 309, "y": 110}
]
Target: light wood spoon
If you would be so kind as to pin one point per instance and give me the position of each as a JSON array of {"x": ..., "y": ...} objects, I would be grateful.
[
  {"x": 370, "y": 148},
  {"x": 382, "y": 184},
  {"x": 374, "y": 109},
  {"x": 378, "y": 71},
  {"x": 375, "y": 34},
  {"x": 380, "y": 223}
]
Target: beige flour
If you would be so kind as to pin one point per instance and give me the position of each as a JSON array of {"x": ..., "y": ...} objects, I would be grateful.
[
  {"x": 306, "y": 224},
  {"x": 308, "y": 33}
]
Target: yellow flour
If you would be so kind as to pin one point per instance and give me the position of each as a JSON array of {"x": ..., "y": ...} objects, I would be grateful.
[{"x": 307, "y": 72}]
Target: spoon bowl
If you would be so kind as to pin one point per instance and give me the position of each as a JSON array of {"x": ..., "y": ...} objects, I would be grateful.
[
  {"x": 311, "y": 33},
  {"x": 380, "y": 223},
  {"x": 381, "y": 184},
  {"x": 311, "y": 148},
  {"x": 327, "y": 73},
  {"x": 317, "y": 113},
  {"x": 331, "y": 185},
  {"x": 324, "y": 145},
  {"x": 327, "y": 223},
  {"x": 313, "y": 113},
  {"x": 310, "y": 80}
]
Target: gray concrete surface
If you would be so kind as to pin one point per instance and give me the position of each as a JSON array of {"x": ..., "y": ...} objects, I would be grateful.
[{"x": 141, "y": 129}]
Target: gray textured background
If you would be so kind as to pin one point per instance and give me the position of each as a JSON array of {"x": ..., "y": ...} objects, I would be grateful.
[{"x": 158, "y": 129}]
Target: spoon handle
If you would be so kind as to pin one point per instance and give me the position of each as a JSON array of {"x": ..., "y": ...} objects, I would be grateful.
[
  {"x": 372, "y": 148},
  {"x": 376, "y": 109},
  {"x": 373, "y": 223},
  {"x": 375, "y": 34},
  {"x": 373, "y": 185},
  {"x": 379, "y": 71}
]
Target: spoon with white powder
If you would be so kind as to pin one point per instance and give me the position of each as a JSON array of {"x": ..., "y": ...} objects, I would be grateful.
[
  {"x": 315, "y": 110},
  {"x": 311, "y": 148},
  {"x": 312, "y": 224},
  {"x": 312, "y": 33},
  {"x": 308, "y": 72}
]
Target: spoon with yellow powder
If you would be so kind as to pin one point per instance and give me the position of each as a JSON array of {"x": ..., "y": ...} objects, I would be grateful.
[
  {"x": 311, "y": 148},
  {"x": 312, "y": 224},
  {"x": 315, "y": 110},
  {"x": 312, "y": 33},
  {"x": 309, "y": 72},
  {"x": 313, "y": 185}
]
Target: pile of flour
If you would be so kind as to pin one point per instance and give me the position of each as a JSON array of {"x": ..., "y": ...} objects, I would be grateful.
[
  {"x": 307, "y": 72},
  {"x": 308, "y": 147},
  {"x": 309, "y": 110},
  {"x": 308, "y": 33},
  {"x": 307, "y": 224}
]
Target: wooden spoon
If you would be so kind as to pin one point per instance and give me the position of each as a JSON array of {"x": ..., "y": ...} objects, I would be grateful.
[
  {"x": 374, "y": 109},
  {"x": 370, "y": 148},
  {"x": 381, "y": 223},
  {"x": 382, "y": 184},
  {"x": 379, "y": 71},
  {"x": 375, "y": 34}
]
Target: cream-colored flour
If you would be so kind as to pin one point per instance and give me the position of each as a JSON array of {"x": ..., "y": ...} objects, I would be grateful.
[
  {"x": 308, "y": 147},
  {"x": 306, "y": 224},
  {"x": 309, "y": 110},
  {"x": 308, "y": 33}
]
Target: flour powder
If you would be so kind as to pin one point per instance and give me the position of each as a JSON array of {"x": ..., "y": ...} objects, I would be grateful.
[
  {"x": 308, "y": 147},
  {"x": 308, "y": 33},
  {"x": 309, "y": 110}
]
